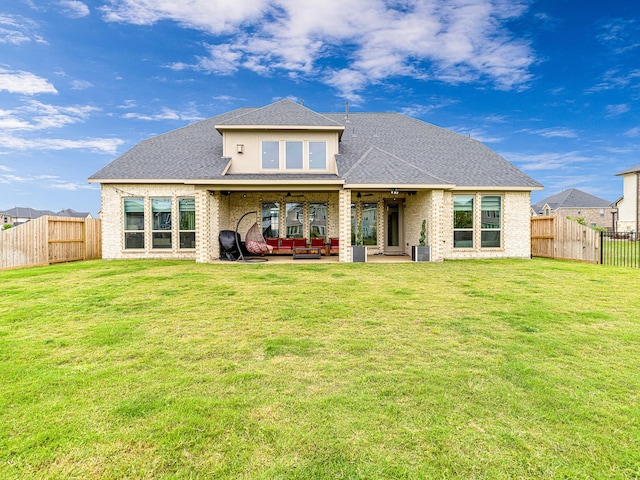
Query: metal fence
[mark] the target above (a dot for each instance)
(620, 249)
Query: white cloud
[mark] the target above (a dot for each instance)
(418, 111)
(614, 79)
(546, 161)
(615, 110)
(129, 103)
(46, 181)
(621, 34)
(213, 16)
(74, 8)
(633, 132)
(16, 30)
(80, 84)
(35, 115)
(165, 114)
(25, 83)
(478, 134)
(7, 179)
(559, 132)
(228, 98)
(96, 145)
(73, 186)
(454, 41)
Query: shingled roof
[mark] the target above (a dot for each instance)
(282, 113)
(571, 198)
(634, 169)
(375, 148)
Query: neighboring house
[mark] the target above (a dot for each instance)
(307, 174)
(596, 211)
(629, 204)
(18, 215)
(6, 218)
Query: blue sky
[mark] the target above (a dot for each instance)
(551, 85)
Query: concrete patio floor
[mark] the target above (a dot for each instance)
(279, 259)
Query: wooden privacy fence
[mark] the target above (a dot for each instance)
(556, 237)
(48, 240)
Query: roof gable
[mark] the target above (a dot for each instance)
(283, 113)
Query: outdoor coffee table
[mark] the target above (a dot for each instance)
(307, 252)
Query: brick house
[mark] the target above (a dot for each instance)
(309, 174)
(596, 211)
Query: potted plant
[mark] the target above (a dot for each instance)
(421, 252)
(359, 251)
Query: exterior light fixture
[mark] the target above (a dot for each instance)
(240, 147)
(394, 191)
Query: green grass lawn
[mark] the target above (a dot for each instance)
(475, 369)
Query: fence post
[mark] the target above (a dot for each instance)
(84, 239)
(601, 247)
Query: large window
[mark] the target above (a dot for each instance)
(318, 155)
(187, 211)
(491, 224)
(133, 223)
(293, 153)
(370, 223)
(295, 218)
(161, 229)
(318, 220)
(271, 220)
(296, 155)
(270, 154)
(463, 221)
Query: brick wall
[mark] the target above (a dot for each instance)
(113, 220)
(516, 228)
(215, 212)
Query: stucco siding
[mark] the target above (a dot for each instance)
(250, 160)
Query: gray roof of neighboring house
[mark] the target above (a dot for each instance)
(27, 212)
(630, 170)
(571, 198)
(69, 212)
(375, 148)
(32, 213)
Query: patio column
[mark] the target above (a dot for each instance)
(438, 228)
(344, 213)
(207, 227)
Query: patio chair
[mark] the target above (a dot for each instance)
(255, 242)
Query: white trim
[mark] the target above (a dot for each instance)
(331, 128)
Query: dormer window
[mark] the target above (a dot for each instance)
(294, 155)
(270, 154)
(293, 151)
(318, 155)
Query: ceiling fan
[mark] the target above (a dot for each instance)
(360, 195)
(288, 195)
